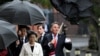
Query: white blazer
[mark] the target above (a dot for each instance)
(26, 50)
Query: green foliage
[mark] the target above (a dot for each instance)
(93, 38)
(96, 10)
(96, 7)
(44, 3)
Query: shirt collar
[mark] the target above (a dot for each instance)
(43, 33)
(54, 36)
(23, 38)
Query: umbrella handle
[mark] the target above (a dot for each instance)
(60, 28)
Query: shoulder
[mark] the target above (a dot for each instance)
(62, 35)
(37, 44)
(25, 44)
(48, 34)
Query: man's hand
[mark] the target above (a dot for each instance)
(67, 40)
(17, 42)
(53, 41)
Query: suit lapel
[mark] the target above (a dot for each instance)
(42, 39)
(51, 37)
(35, 51)
(58, 41)
(39, 40)
(28, 48)
(26, 40)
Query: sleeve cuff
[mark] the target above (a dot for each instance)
(67, 40)
(49, 44)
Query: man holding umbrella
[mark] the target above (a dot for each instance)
(56, 42)
(22, 38)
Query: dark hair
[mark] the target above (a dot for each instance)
(20, 27)
(41, 25)
(31, 33)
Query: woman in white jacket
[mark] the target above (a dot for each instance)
(31, 48)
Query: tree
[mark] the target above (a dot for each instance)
(96, 7)
(44, 3)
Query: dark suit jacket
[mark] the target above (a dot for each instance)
(15, 50)
(44, 44)
(60, 45)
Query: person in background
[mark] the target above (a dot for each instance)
(56, 42)
(42, 39)
(22, 38)
(31, 48)
(35, 29)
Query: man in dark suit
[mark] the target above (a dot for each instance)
(42, 38)
(56, 42)
(22, 38)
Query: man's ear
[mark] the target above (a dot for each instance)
(50, 29)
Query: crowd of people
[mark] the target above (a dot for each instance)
(38, 43)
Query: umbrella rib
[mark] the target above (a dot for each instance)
(29, 15)
(34, 15)
(2, 41)
(11, 33)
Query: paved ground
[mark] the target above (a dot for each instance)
(80, 43)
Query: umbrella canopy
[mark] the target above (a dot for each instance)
(73, 8)
(22, 13)
(7, 34)
(82, 4)
(62, 6)
(69, 1)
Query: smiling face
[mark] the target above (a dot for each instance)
(55, 28)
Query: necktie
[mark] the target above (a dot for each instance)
(55, 42)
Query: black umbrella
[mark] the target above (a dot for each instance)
(22, 13)
(62, 6)
(83, 4)
(72, 8)
(7, 34)
(69, 1)
(85, 13)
